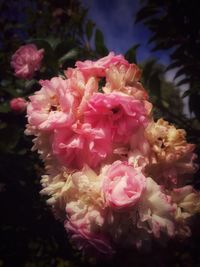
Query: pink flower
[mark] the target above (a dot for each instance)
(120, 76)
(123, 185)
(95, 244)
(156, 210)
(82, 145)
(97, 68)
(85, 225)
(26, 61)
(187, 200)
(81, 87)
(121, 114)
(18, 104)
(52, 106)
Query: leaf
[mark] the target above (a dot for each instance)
(89, 29)
(148, 69)
(72, 54)
(30, 83)
(152, 39)
(174, 65)
(180, 72)
(12, 91)
(63, 47)
(53, 41)
(5, 83)
(186, 93)
(194, 100)
(145, 13)
(155, 84)
(184, 81)
(99, 43)
(4, 108)
(50, 59)
(130, 55)
(41, 43)
(165, 104)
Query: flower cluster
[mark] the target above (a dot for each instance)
(114, 176)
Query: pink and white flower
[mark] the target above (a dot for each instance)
(94, 244)
(97, 68)
(121, 114)
(53, 106)
(26, 60)
(123, 185)
(156, 210)
(81, 145)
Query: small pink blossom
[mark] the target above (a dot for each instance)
(97, 68)
(18, 104)
(26, 61)
(121, 114)
(123, 185)
(52, 106)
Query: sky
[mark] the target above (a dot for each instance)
(115, 18)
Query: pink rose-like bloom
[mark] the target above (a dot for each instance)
(18, 104)
(81, 145)
(121, 114)
(97, 68)
(123, 185)
(95, 244)
(52, 106)
(26, 61)
(156, 210)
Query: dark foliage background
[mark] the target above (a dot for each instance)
(30, 236)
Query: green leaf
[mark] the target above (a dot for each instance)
(184, 81)
(186, 93)
(53, 41)
(50, 59)
(99, 43)
(174, 65)
(41, 43)
(146, 12)
(130, 55)
(148, 69)
(155, 84)
(30, 83)
(12, 91)
(165, 104)
(63, 47)
(4, 108)
(5, 83)
(89, 29)
(72, 54)
(181, 72)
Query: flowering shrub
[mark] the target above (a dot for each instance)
(114, 176)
